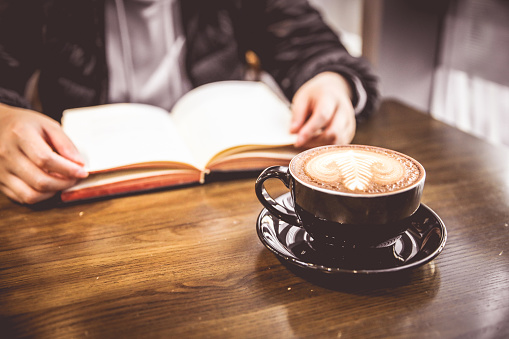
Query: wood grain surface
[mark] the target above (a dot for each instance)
(187, 262)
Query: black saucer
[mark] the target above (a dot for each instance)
(420, 243)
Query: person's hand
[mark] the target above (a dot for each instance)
(37, 159)
(323, 112)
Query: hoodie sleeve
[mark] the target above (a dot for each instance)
(294, 44)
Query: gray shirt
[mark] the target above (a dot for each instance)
(145, 48)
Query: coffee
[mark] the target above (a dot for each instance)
(356, 169)
(353, 195)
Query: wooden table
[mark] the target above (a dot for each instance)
(188, 263)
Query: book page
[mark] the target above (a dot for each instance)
(118, 135)
(222, 115)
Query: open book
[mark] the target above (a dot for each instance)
(222, 126)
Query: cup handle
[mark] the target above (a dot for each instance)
(282, 173)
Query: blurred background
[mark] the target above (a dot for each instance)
(449, 58)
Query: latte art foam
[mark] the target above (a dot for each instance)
(356, 169)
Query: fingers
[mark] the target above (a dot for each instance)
(62, 144)
(323, 112)
(321, 118)
(341, 130)
(39, 179)
(18, 191)
(37, 159)
(27, 183)
(301, 108)
(43, 156)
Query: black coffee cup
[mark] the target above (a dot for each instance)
(349, 219)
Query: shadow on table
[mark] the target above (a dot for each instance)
(427, 275)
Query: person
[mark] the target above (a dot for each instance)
(93, 52)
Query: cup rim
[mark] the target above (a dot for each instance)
(360, 195)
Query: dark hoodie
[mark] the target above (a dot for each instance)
(65, 41)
